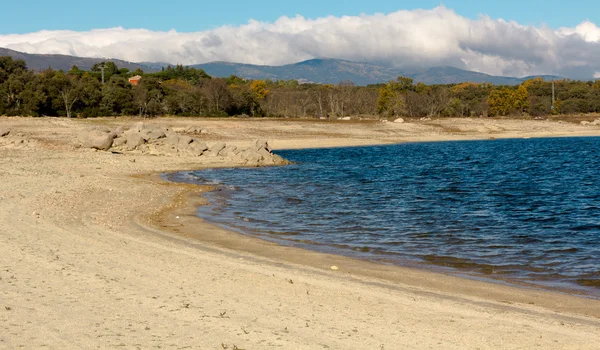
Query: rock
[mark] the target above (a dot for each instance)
(153, 134)
(345, 118)
(4, 132)
(262, 144)
(134, 140)
(184, 141)
(399, 121)
(119, 131)
(264, 152)
(101, 128)
(216, 148)
(229, 150)
(595, 122)
(335, 268)
(172, 139)
(197, 147)
(97, 139)
(584, 123)
(253, 159)
(119, 141)
(278, 160)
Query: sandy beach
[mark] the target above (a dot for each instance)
(96, 251)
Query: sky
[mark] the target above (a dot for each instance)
(507, 37)
(192, 15)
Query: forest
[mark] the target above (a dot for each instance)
(184, 91)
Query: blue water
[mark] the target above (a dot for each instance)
(517, 210)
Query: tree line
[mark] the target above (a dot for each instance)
(185, 91)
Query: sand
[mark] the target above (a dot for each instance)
(97, 252)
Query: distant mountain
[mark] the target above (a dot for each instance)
(40, 62)
(326, 71)
(332, 71)
(321, 70)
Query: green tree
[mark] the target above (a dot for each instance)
(392, 97)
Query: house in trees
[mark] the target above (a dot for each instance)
(135, 80)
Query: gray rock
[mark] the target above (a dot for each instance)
(184, 141)
(399, 121)
(254, 160)
(197, 148)
(172, 139)
(217, 147)
(4, 132)
(264, 152)
(98, 140)
(153, 134)
(228, 151)
(262, 144)
(119, 141)
(119, 131)
(134, 140)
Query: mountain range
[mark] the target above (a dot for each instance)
(321, 70)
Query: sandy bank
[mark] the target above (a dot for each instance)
(92, 254)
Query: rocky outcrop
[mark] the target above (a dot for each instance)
(4, 132)
(154, 140)
(593, 123)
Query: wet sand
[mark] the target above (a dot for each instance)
(95, 252)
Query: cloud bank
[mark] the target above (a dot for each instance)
(419, 38)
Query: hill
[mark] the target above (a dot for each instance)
(332, 71)
(321, 70)
(40, 62)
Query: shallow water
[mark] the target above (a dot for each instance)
(519, 210)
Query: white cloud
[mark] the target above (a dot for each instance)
(416, 38)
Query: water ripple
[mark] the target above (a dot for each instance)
(523, 209)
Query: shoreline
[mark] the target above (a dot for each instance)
(188, 225)
(550, 286)
(92, 253)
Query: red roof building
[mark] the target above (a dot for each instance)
(135, 80)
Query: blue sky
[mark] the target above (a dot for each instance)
(27, 16)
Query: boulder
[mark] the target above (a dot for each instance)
(216, 148)
(119, 141)
(229, 150)
(119, 131)
(262, 144)
(595, 122)
(264, 152)
(153, 134)
(184, 141)
(172, 139)
(584, 123)
(134, 140)
(278, 160)
(97, 139)
(197, 147)
(4, 132)
(399, 121)
(253, 159)
(345, 118)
